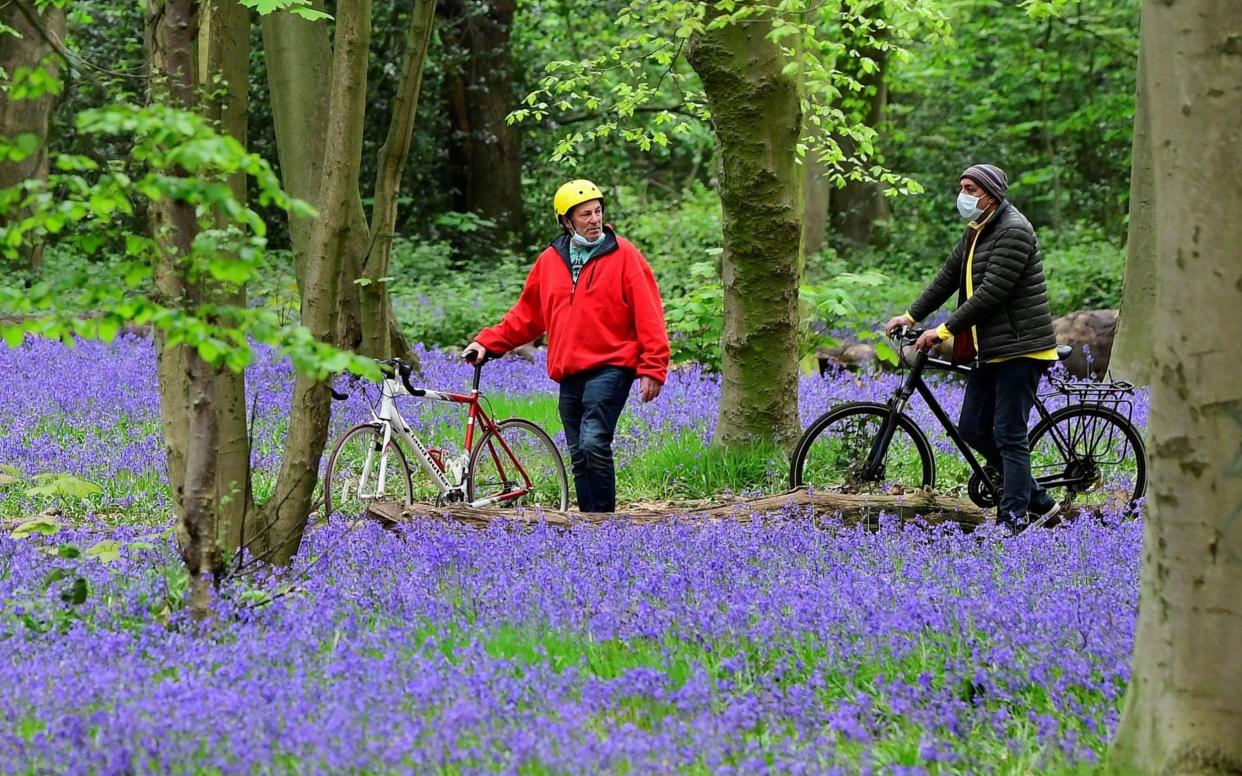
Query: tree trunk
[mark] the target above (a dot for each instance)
(17, 117)
(757, 119)
(483, 148)
(375, 306)
(187, 382)
(299, 61)
(856, 207)
(1132, 350)
(1183, 712)
(224, 53)
(334, 232)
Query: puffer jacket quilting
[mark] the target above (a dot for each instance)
(1009, 306)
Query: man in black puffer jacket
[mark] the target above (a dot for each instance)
(1003, 320)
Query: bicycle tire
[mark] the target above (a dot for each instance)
(1082, 473)
(917, 465)
(551, 492)
(345, 470)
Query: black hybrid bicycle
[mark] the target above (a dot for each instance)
(1086, 452)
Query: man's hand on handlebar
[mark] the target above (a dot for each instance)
(927, 340)
(474, 352)
(896, 323)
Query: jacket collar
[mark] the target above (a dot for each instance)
(561, 244)
(990, 220)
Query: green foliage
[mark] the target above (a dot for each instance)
(176, 159)
(1084, 272)
(695, 319)
(1047, 95)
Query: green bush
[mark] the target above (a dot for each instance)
(1083, 273)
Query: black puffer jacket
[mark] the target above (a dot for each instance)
(1009, 305)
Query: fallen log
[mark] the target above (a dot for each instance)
(850, 508)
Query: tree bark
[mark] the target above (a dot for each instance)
(1183, 712)
(757, 119)
(483, 148)
(224, 53)
(375, 306)
(1132, 350)
(187, 382)
(334, 232)
(300, 60)
(32, 49)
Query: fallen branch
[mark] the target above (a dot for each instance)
(931, 507)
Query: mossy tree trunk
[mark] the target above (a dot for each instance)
(30, 46)
(1131, 357)
(1183, 711)
(757, 119)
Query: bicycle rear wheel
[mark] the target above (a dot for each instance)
(362, 469)
(833, 451)
(517, 464)
(1090, 457)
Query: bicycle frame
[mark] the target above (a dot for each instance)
(914, 383)
(455, 488)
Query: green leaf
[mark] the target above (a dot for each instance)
(43, 525)
(105, 551)
(77, 592)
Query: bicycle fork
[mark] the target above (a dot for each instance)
(873, 469)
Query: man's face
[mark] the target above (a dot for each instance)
(971, 188)
(588, 218)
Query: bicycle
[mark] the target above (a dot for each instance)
(512, 463)
(1086, 453)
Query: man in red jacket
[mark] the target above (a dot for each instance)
(596, 297)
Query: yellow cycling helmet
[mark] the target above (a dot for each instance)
(575, 193)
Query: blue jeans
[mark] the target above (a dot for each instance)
(995, 410)
(591, 402)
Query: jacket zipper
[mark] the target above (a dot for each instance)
(574, 291)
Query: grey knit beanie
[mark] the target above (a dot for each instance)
(990, 178)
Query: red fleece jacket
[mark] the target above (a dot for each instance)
(611, 316)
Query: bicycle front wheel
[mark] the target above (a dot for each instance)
(1090, 457)
(833, 451)
(517, 464)
(363, 469)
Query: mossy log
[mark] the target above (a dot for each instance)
(928, 506)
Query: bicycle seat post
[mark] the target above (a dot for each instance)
(478, 374)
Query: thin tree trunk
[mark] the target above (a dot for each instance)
(334, 231)
(224, 53)
(1183, 710)
(299, 62)
(1131, 358)
(484, 148)
(32, 49)
(757, 118)
(376, 309)
(188, 383)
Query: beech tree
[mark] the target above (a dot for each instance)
(300, 60)
(1182, 712)
(1131, 356)
(29, 64)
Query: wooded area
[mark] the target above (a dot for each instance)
(336, 183)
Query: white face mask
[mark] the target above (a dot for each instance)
(584, 242)
(968, 206)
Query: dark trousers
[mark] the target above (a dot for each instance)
(995, 410)
(591, 402)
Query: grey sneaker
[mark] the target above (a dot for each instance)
(1043, 514)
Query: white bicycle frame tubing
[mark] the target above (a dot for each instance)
(390, 418)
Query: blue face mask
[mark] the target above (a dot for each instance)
(583, 242)
(968, 206)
